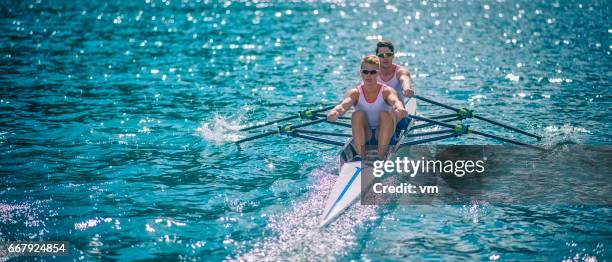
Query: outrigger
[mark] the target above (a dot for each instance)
(347, 188)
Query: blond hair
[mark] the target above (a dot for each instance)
(370, 59)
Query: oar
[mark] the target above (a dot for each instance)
(302, 114)
(464, 129)
(314, 132)
(427, 140)
(281, 130)
(316, 139)
(468, 113)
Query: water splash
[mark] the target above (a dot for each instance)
(475, 210)
(512, 77)
(566, 134)
(476, 99)
(580, 253)
(296, 235)
(221, 129)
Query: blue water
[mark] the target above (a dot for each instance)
(116, 123)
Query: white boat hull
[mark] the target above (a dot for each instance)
(347, 188)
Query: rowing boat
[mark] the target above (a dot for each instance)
(348, 186)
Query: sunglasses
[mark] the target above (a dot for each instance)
(369, 72)
(385, 55)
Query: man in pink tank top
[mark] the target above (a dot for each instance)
(393, 75)
(377, 109)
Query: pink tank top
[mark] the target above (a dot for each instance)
(393, 83)
(372, 109)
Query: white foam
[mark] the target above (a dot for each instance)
(513, 77)
(566, 133)
(457, 78)
(476, 98)
(221, 130)
(91, 223)
(297, 235)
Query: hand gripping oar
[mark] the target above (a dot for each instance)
(466, 113)
(306, 114)
(281, 130)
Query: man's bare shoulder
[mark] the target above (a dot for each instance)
(388, 90)
(402, 70)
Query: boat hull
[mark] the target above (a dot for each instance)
(347, 188)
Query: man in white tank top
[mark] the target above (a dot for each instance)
(393, 75)
(377, 109)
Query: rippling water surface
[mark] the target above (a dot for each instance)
(116, 122)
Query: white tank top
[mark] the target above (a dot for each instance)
(372, 109)
(393, 83)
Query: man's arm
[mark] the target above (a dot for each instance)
(403, 76)
(391, 98)
(349, 100)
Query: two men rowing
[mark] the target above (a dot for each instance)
(378, 101)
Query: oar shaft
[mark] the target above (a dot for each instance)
(440, 123)
(277, 131)
(479, 117)
(314, 132)
(340, 124)
(422, 126)
(341, 117)
(475, 132)
(285, 119)
(438, 132)
(269, 123)
(309, 123)
(427, 140)
(256, 137)
(507, 140)
(444, 116)
(508, 127)
(317, 139)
